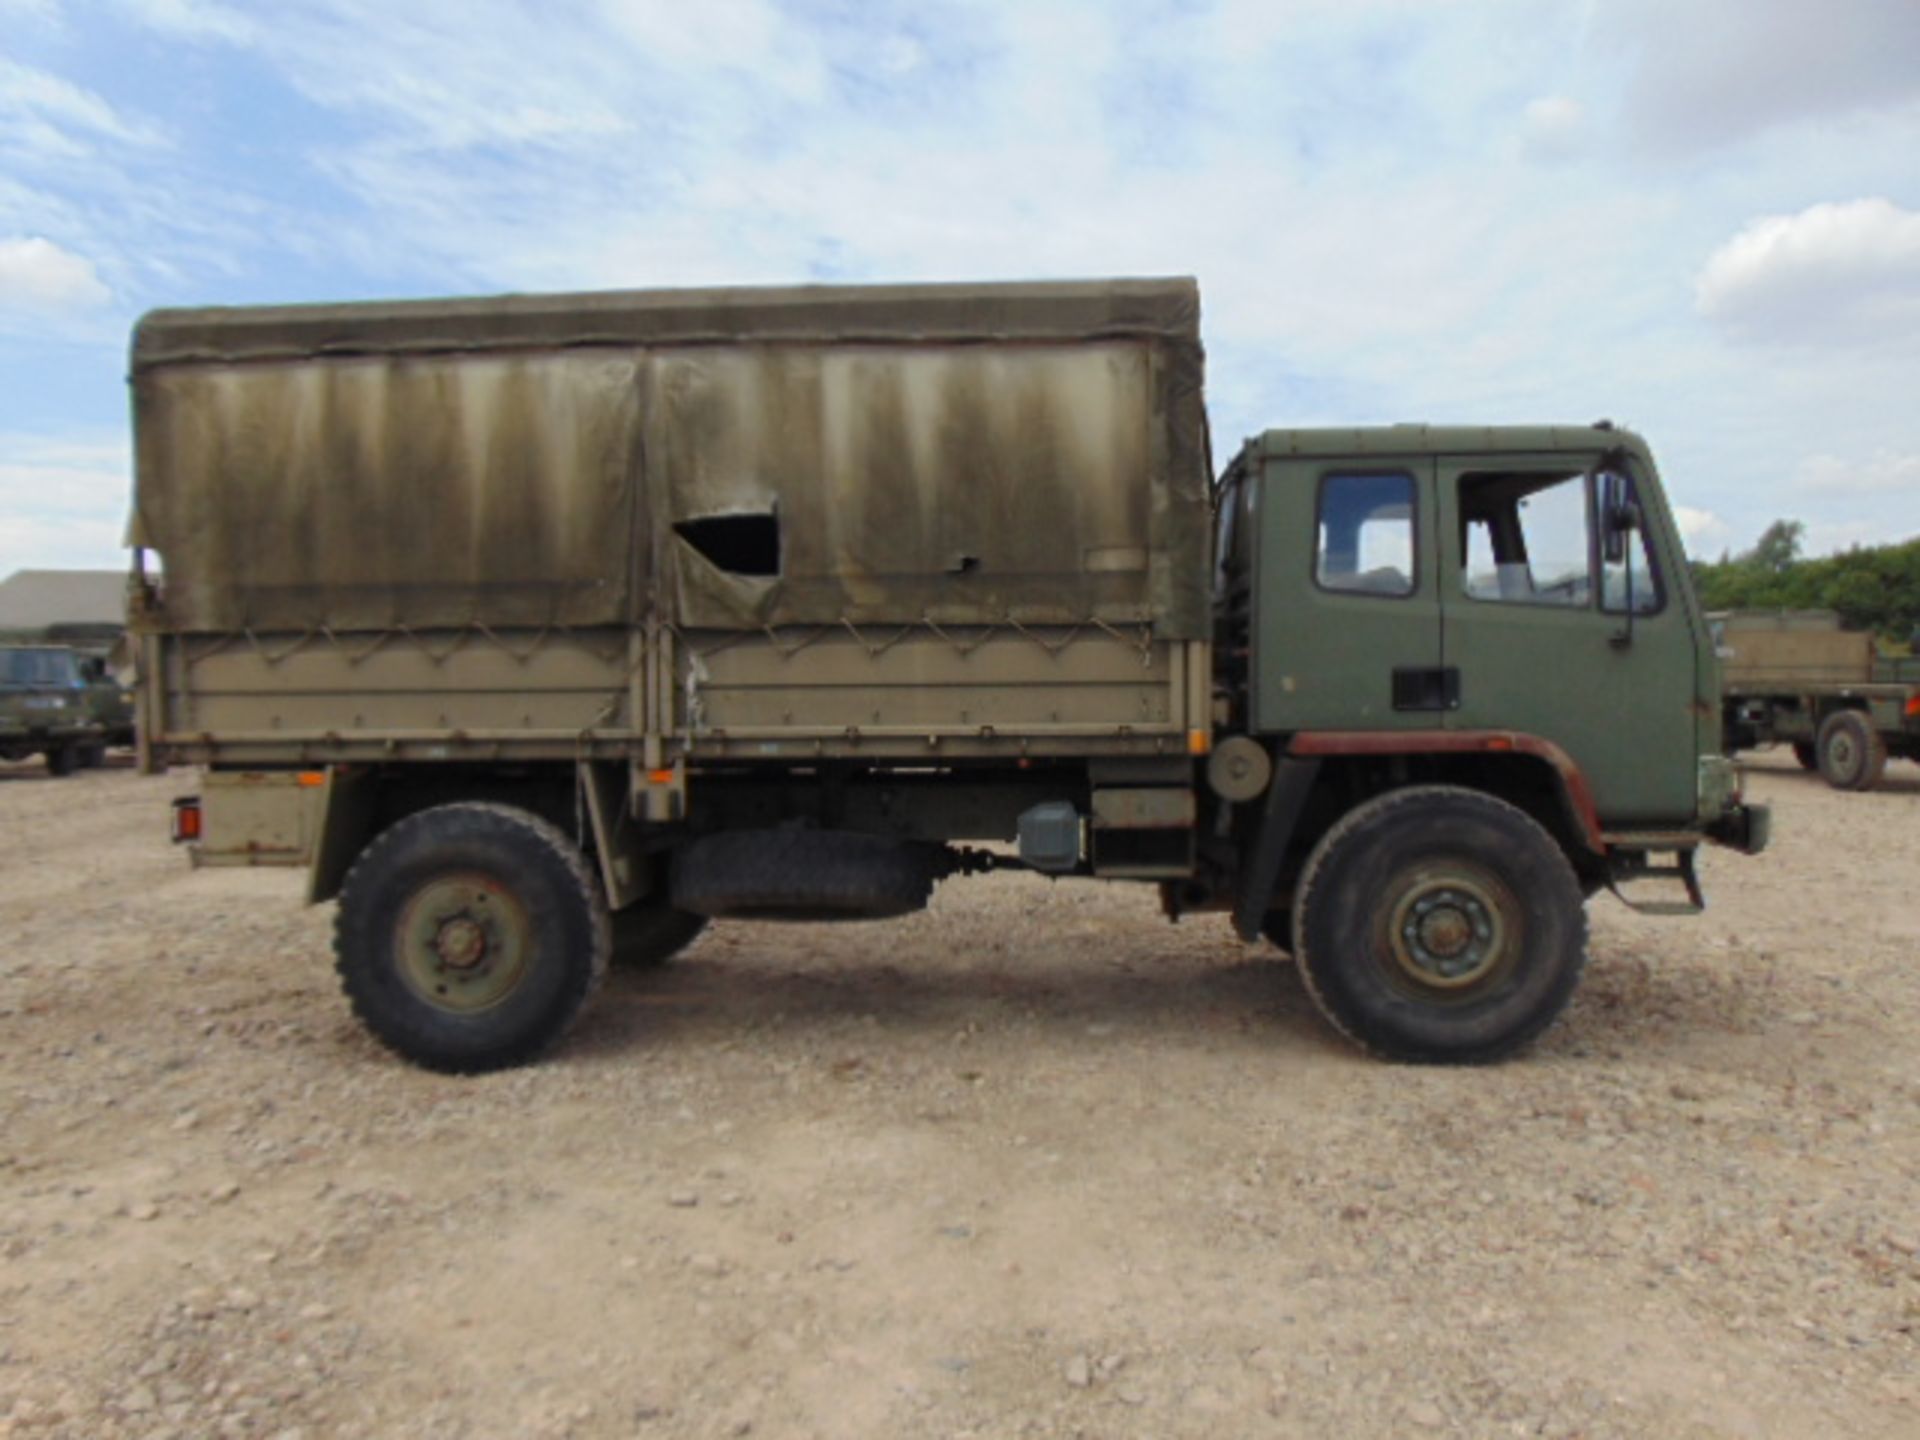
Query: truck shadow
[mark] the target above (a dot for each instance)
(1254, 1004)
(1626, 1005)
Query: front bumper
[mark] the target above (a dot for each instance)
(1746, 828)
(64, 734)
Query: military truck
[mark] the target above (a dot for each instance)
(109, 702)
(539, 628)
(44, 709)
(1797, 677)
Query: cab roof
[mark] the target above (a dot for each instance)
(1422, 439)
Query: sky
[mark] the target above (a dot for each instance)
(1699, 218)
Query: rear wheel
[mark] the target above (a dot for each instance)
(1439, 924)
(470, 936)
(1852, 754)
(63, 760)
(1806, 754)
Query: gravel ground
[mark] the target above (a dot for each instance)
(1034, 1163)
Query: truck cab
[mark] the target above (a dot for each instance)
(1431, 583)
(44, 708)
(1499, 620)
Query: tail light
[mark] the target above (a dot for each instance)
(186, 819)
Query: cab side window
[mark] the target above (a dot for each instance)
(1365, 534)
(1526, 539)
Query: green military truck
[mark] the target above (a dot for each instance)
(541, 628)
(1797, 677)
(45, 708)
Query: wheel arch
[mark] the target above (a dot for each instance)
(1331, 773)
(1527, 771)
(364, 801)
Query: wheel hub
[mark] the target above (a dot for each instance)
(1447, 933)
(462, 943)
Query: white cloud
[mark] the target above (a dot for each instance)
(41, 110)
(38, 277)
(1828, 537)
(1552, 128)
(1883, 473)
(63, 502)
(1703, 531)
(1713, 72)
(1847, 271)
(193, 19)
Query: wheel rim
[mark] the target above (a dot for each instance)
(462, 943)
(1842, 754)
(1451, 932)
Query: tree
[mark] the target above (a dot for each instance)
(1778, 546)
(1873, 587)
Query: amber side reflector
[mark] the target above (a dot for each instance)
(1913, 705)
(186, 819)
(1199, 742)
(659, 777)
(1499, 742)
(311, 779)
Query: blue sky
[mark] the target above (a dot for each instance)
(1698, 217)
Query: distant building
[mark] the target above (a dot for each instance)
(85, 608)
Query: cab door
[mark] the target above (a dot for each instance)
(1346, 619)
(1556, 634)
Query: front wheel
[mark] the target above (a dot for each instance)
(470, 936)
(1439, 925)
(1806, 755)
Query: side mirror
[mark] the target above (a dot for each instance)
(1618, 516)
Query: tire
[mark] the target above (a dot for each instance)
(1806, 754)
(652, 933)
(802, 875)
(1852, 754)
(470, 936)
(63, 760)
(1491, 967)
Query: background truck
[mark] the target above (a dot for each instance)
(541, 628)
(46, 708)
(1796, 677)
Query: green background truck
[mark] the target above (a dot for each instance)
(48, 708)
(540, 628)
(1796, 677)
